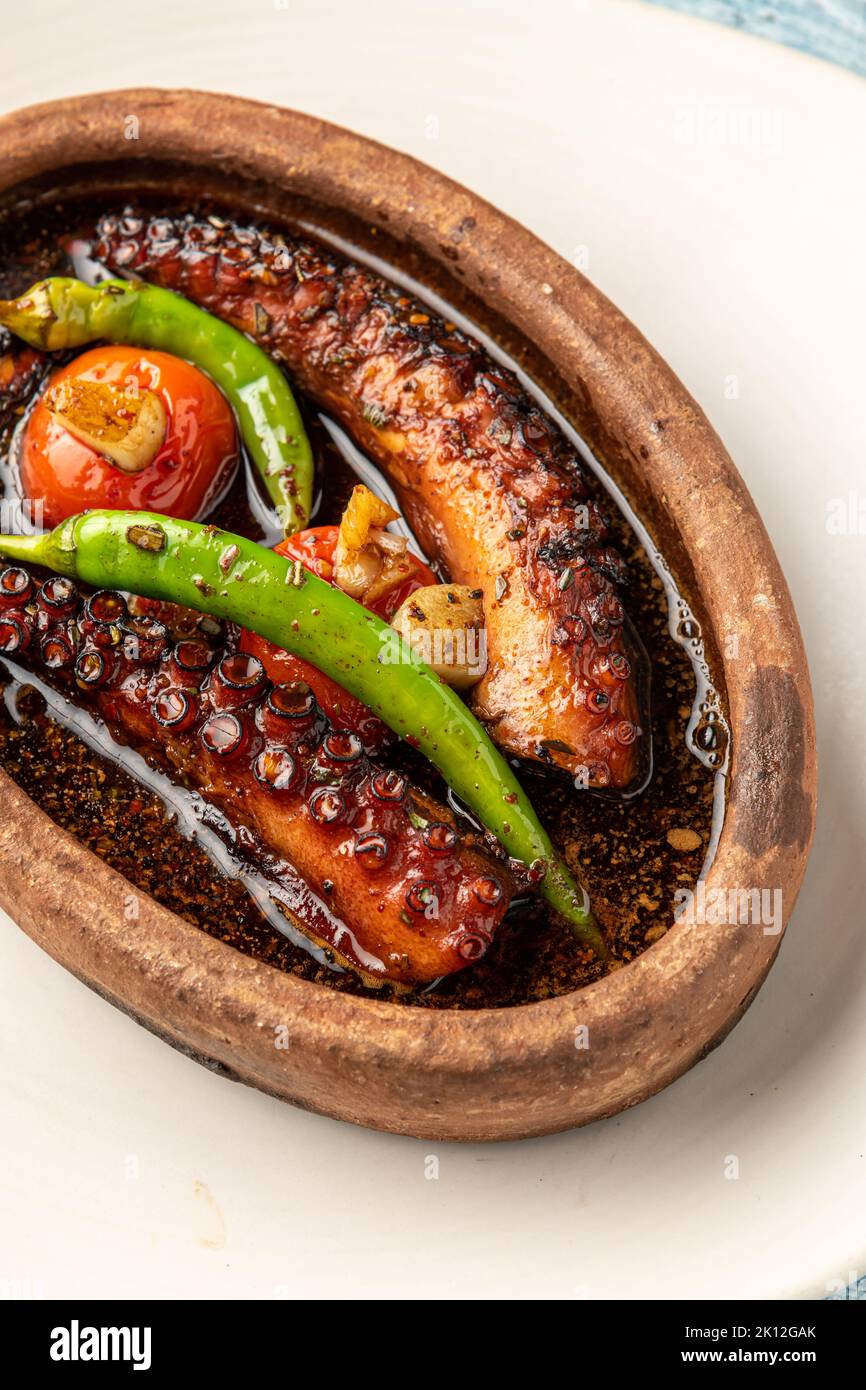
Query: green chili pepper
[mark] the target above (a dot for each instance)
(65, 313)
(236, 579)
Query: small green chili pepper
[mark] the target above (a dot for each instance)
(233, 578)
(65, 313)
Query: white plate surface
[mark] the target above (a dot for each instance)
(710, 184)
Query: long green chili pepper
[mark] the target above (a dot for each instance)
(64, 313)
(230, 577)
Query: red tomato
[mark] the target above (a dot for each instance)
(315, 549)
(189, 471)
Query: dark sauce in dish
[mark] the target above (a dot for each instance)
(632, 852)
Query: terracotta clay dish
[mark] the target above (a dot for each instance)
(404, 711)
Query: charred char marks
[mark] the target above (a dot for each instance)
(562, 549)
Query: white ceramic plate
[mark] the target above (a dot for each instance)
(708, 182)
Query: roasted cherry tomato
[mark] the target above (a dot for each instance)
(315, 549)
(193, 440)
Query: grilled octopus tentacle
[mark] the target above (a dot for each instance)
(421, 900)
(489, 484)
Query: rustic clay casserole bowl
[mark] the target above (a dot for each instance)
(491, 1073)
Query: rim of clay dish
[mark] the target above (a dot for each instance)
(463, 1074)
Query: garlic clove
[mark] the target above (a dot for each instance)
(444, 626)
(126, 429)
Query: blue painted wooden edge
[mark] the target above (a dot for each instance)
(831, 29)
(856, 1292)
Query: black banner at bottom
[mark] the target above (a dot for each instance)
(151, 1337)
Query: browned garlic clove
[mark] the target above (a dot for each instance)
(444, 626)
(126, 428)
